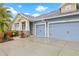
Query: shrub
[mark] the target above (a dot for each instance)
(15, 33)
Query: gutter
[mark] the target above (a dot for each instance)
(60, 15)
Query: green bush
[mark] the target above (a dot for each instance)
(15, 33)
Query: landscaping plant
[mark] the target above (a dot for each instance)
(5, 16)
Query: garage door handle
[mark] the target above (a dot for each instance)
(68, 32)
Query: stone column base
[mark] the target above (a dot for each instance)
(24, 34)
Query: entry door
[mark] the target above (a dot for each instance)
(68, 31)
(40, 30)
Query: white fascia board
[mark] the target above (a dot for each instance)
(64, 21)
(75, 13)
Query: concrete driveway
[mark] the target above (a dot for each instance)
(39, 47)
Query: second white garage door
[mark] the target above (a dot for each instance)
(68, 31)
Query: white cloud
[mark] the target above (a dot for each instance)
(35, 15)
(13, 10)
(41, 8)
(27, 13)
(19, 6)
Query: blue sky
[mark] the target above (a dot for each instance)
(32, 9)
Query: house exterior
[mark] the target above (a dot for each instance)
(22, 23)
(61, 24)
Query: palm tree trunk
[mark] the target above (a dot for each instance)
(1, 36)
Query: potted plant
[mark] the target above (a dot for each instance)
(9, 35)
(3, 26)
(4, 18)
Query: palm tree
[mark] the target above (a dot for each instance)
(5, 16)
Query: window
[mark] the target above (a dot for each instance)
(16, 26)
(23, 25)
(68, 8)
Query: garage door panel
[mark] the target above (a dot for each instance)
(40, 30)
(55, 30)
(73, 29)
(69, 31)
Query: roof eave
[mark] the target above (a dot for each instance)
(64, 15)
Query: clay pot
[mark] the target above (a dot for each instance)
(9, 35)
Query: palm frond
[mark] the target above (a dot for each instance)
(5, 16)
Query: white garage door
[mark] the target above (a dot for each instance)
(40, 30)
(68, 31)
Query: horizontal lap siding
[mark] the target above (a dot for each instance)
(76, 17)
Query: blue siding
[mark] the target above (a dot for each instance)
(40, 30)
(68, 31)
